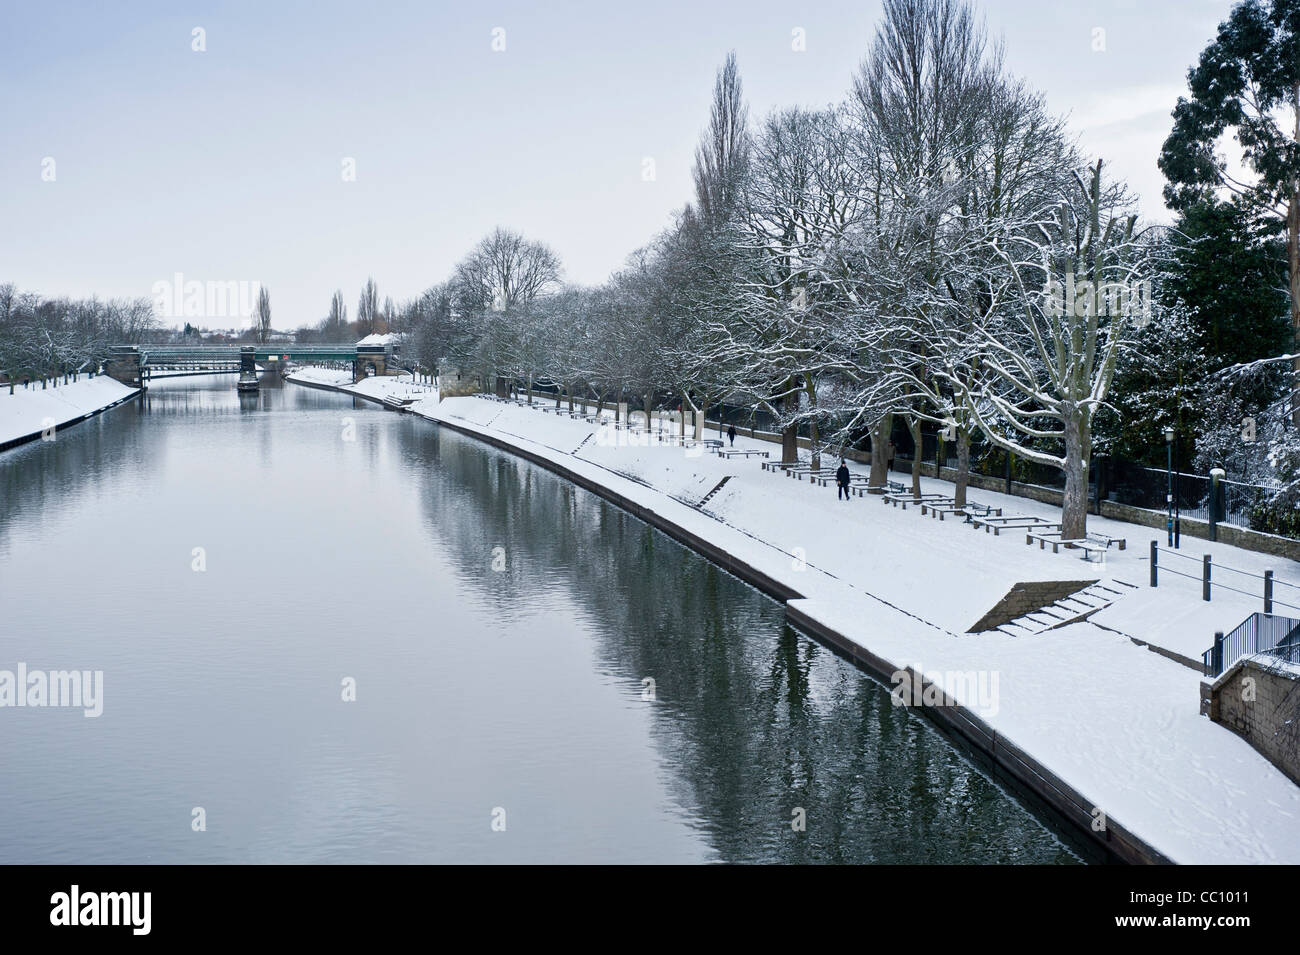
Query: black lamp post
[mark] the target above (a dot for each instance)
(1169, 498)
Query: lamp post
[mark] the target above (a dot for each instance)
(1169, 498)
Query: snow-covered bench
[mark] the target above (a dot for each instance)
(942, 509)
(800, 471)
(907, 497)
(739, 452)
(825, 480)
(1046, 537)
(1090, 545)
(1025, 522)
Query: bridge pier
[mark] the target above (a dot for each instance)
(247, 369)
(370, 361)
(124, 365)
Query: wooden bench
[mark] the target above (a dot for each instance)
(969, 510)
(1015, 522)
(730, 453)
(1044, 538)
(1092, 544)
(800, 471)
(902, 500)
(1120, 542)
(940, 508)
(825, 480)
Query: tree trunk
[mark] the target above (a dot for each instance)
(1074, 511)
(699, 419)
(880, 455)
(645, 403)
(1293, 266)
(914, 428)
(812, 422)
(963, 467)
(790, 433)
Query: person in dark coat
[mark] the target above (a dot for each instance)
(842, 479)
(731, 434)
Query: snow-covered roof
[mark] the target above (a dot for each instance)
(389, 338)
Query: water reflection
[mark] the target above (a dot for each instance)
(343, 541)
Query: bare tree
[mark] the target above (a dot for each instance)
(335, 325)
(368, 309)
(263, 315)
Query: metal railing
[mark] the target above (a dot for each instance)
(1268, 582)
(1259, 633)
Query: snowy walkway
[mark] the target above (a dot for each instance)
(1116, 722)
(377, 387)
(31, 410)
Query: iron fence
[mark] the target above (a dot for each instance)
(1278, 637)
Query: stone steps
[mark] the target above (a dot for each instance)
(1067, 610)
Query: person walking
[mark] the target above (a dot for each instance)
(842, 479)
(731, 434)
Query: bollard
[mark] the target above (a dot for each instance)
(1153, 563)
(1205, 577)
(1268, 591)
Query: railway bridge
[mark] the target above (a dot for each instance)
(137, 365)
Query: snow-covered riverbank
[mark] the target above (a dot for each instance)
(1116, 725)
(376, 388)
(30, 411)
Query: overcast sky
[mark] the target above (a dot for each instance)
(227, 164)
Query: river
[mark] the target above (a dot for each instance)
(331, 633)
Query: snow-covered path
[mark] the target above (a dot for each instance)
(377, 387)
(1118, 723)
(31, 410)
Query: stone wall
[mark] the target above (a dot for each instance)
(453, 384)
(124, 365)
(1260, 703)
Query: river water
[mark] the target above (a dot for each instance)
(330, 633)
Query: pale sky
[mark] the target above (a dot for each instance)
(227, 164)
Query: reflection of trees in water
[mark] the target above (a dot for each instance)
(752, 719)
(35, 474)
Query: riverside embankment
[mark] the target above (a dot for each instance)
(32, 410)
(1103, 730)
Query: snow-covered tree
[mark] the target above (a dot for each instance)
(1077, 286)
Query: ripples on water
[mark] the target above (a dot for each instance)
(477, 689)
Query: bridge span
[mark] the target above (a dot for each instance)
(136, 365)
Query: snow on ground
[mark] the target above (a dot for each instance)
(32, 409)
(378, 386)
(1118, 723)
